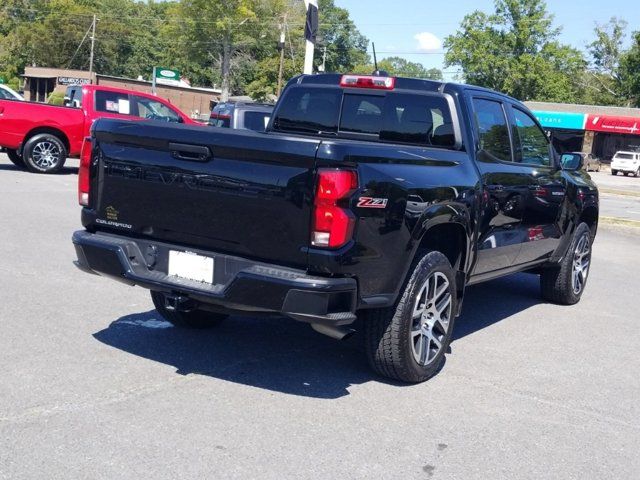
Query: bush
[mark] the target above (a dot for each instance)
(56, 98)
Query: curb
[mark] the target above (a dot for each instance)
(613, 191)
(618, 222)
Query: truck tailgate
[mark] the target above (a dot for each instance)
(250, 196)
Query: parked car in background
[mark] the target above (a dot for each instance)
(589, 161)
(241, 115)
(592, 163)
(626, 162)
(40, 137)
(7, 93)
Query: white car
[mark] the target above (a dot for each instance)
(8, 94)
(626, 162)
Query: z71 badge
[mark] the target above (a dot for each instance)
(368, 202)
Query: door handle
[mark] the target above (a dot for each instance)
(194, 153)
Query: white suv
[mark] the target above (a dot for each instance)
(626, 162)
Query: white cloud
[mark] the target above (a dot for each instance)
(428, 42)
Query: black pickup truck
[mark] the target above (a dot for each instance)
(368, 196)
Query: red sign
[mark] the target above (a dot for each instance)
(613, 124)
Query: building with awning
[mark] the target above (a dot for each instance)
(599, 130)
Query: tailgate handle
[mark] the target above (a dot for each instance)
(194, 153)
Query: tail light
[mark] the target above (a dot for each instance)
(83, 172)
(367, 81)
(333, 224)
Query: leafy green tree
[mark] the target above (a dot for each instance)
(346, 46)
(603, 81)
(515, 50)
(401, 67)
(630, 70)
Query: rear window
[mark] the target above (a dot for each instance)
(624, 156)
(423, 119)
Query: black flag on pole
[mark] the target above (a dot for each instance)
(311, 25)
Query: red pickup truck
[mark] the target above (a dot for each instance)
(40, 137)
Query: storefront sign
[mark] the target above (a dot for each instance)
(614, 124)
(561, 120)
(72, 81)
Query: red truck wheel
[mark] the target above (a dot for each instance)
(44, 153)
(15, 158)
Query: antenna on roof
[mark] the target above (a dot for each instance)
(375, 60)
(376, 72)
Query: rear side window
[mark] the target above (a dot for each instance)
(309, 110)
(395, 117)
(256, 121)
(493, 131)
(421, 119)
(112, 102)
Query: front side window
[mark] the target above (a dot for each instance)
(153, 110)
(532, 146)
(492, 130)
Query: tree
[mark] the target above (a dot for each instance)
(515, 50)
(401, 67)
(630, 70)
(346, 46)
(603, 81)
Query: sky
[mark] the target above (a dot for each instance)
(414, 29)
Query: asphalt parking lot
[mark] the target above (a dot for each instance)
(96, 385)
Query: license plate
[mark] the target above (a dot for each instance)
(190, 266)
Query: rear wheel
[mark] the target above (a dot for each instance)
(44, 153)
(565, 283)
(199, 319)
(15, 158)
(614, 172)
(408, 342)
(637, 173)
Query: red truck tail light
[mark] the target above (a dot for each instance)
(333, 224)
(83, 172)
(368, 81)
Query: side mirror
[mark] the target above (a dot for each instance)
(571, 162)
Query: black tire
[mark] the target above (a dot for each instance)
(35, 155)
(637, 174)
(626, 174)
(557, 282)
(15, 158)
(199, 319)
(614, 172)
(390, 333)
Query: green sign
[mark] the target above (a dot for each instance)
(166, 73)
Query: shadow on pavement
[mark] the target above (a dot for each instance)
(280, 354)
(63, 170)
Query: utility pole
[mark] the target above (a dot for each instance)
(93, 42)
(281, 47)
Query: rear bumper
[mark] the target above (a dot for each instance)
(238, 284)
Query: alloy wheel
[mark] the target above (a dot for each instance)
(45, 154)
(581, 263)
(431, 318)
